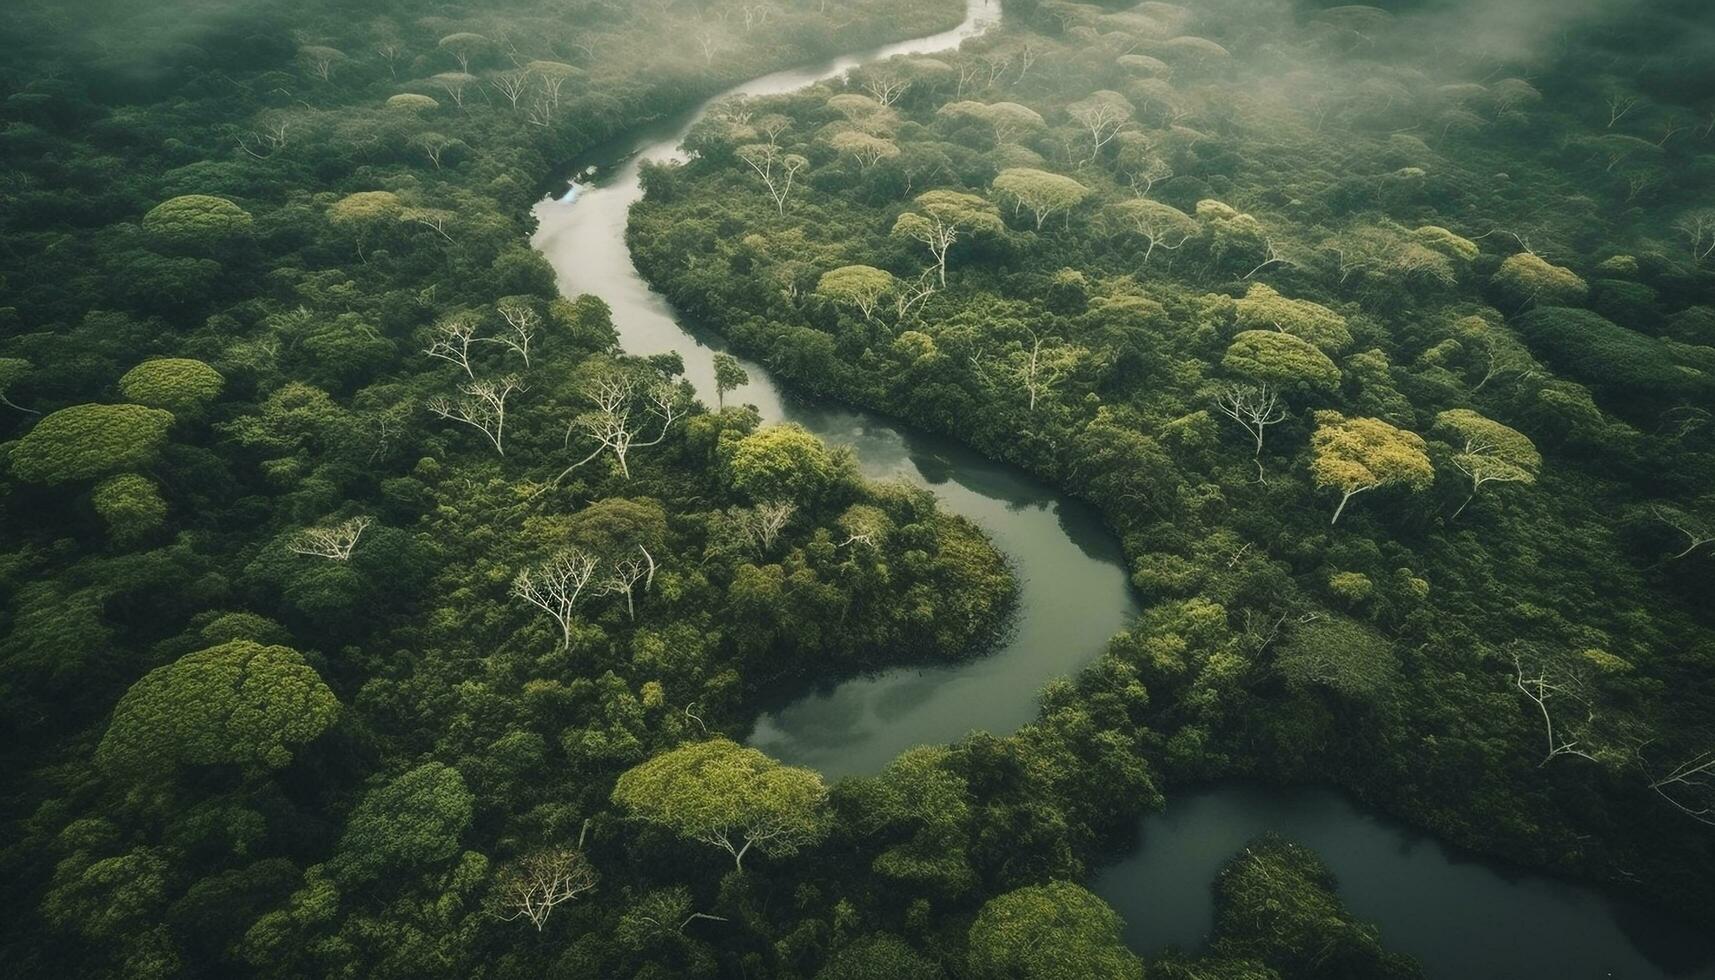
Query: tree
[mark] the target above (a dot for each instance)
(520, 314)
(434, 146)
(1255, 407)
(782, 463)
(12, 370)
(729, 376)
(1279, 359)
(85, 441)
(1276, 908)
(1057, 931)
(1690, 787)
(364, 214)
(454, 84)
(1354, 455)
(1040, 192)
(240, 703)
(1037, 367)
(1262, 308)
(1492, 452)
(107, 898)
(198, 221)
(556, 585)
(1102, 116)
(483, 407)
(130, 505)
(1693, 529)
(512, 85)
(1552, 680)
(1340, 655)
(727, 796)
(941, 217)
(465, 47)
(1698, 229)
(623, 575)
(320, 61)
(1526, 279)
(866, 149)
(412, 102)
(861, 286)
(336, 542)
(760, 526)
(451, 341)
(777, 169)
(1160, 225)
(879, 956)
(532, 886)
(411, 820)
(885, 83)
(613, 424)
(180, 385)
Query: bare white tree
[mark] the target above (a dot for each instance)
(1255, 408)
(452, 339)
(390, 52)
(1543, 681)
(454, 84)
(483, 407)
(556, 585)
(612, 424)
(760, 526)
(1690, 787)
(265, 142)
(531, 888)
(937, 234)
(434, 219)
(1697, 534)
(910, 295)
(433, 145)
(511, 84)
(623, 576)
(1272, 255)
(1147, 174)
(1102, 118)
(886, 85)
(1698, 227)
(336, 542)
(778, 171)
(1618, 106)
(1037, 367)
(524, 321)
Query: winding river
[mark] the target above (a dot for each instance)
(1462, 918)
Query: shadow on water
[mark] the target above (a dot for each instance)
(1073, 591)
(1462, 918)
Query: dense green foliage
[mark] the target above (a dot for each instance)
(361, 603)
(287, 687)
(1165, 232)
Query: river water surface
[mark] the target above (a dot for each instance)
(1463, 919)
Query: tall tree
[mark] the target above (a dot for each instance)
(727, 796)
(1489, 452)
(1057, 931)
(1356, 455)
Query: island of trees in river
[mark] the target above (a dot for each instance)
(367, 611)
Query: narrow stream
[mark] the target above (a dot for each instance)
(1463, 918)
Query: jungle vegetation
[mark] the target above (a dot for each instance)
(367, 612)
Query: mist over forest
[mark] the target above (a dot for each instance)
(849, 489)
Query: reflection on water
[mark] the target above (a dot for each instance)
(1462, 918)
(1073, 593)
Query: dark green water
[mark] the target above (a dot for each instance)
(1462, 918)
